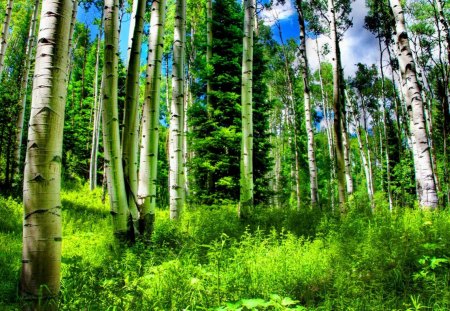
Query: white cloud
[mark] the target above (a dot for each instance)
(358, 44)
(278, 12)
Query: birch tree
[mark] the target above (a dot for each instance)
(422, 160)
(246, 193)
(24, 85)
(176, 181)
(96, 113)
(110, 116)
(307, 103)
(131, 124)
(41, 256)
(148, 171)
(5, 33)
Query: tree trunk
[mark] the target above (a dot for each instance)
(130, 135)
(307, 102)
(41, 257)
(131, 31)
(444, 22)
(209, 42)
(246, 193)
(291, 121)
(148, 172)
(5, 33)
(362, 152)
(110, 116)
(177, 110)
(338, 108)
(386, 149)
(24, 87)
(427, 187)
(97, 115)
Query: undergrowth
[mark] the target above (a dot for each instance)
(209, 260)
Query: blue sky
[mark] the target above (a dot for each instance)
(358, 45)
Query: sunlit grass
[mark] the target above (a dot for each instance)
(279, 259)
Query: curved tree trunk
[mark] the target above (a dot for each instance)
(41, 257)
(130, 135)
(246, 193)
(150, 121)
(427, 187)
(176, 186)
(110, 116)
(5, 33)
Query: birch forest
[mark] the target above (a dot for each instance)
(224, 155)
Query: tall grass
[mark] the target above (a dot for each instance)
(278, 260)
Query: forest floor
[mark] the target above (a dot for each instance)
(209, 260)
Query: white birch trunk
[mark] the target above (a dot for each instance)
(134, 12)
(24, 85)
(5, 34)
(177, 111)
(338, 109)
(42, 234)
(427, 187)
(97, 115)
(130, 135)
(209, 42)
(307, 103)
(110, 116)
(148, 171)
(246, 193)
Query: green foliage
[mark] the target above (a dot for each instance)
(279, 260)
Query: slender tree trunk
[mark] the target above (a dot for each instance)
(133, 20)
(24, 87)
(177, 111)
(41, 257)
(338, 109)
(347, 160)
(362, 152)
(307, 102)
(291, 121)
(427, 186)
(148, 172)
(246, 193)
(386, 149)
(130, 135)
(97, 114)
(110, 116)
(329, 131)
(444, 22)
(95, 140)
(5, 33)
(209, 54)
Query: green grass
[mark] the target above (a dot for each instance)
(278, 260)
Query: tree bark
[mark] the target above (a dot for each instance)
(209, 42)
(246, 193)
(148, 172)
(110, 116)
(130, 135)
(307, 102)
(97, 114)
(41, 257)
(177, 111)
(24, 85)
(338, 108)
(427, 187)
(5, 33)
